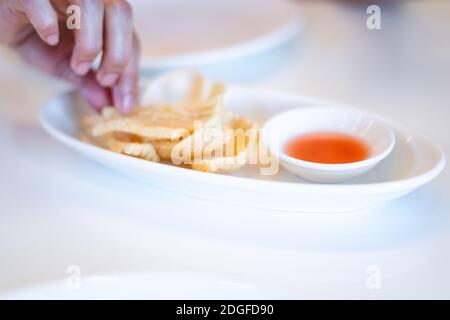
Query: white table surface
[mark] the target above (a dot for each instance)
(58, 209)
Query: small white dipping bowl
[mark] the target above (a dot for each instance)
(287, 125)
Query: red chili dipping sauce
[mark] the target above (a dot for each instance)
(327, 147)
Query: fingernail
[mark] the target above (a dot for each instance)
(83, 68)
(53, 39)
(109, 79)
(127, 103)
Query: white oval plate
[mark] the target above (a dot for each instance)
(150, 285)
(177, 33)
(413, 162)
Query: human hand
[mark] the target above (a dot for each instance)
(37, 30)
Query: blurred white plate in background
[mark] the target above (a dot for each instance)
(150, 285)
(178, 33)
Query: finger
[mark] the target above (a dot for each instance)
(56, 61)
(118, 41)
(89, 38)
(43, 18)
(126, 91)
(94, 94)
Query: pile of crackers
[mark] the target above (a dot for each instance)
(194, 132)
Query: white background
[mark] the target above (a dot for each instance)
(58, 209)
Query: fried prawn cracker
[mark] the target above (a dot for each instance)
(207, 133)
(164, 148)
(139, 150)
(140, 128)
(237, 151)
